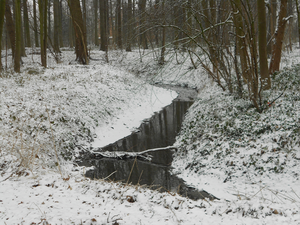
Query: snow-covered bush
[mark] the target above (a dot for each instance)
(228, 134)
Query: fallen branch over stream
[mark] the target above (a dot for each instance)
(130, 155)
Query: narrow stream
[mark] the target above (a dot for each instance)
(158, 131)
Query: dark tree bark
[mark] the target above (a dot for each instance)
(129, 26)
(119, 24)
(43, 4)
(2, 13)
(262, 43)
(60, 35)
(103, 25)
(56, 26)
(163, 41)
(71, 31)
(10, 27)
(35, 29)
(298, 17)
(96, 39)
(143, 36)
(26, 24)
(272, 24)
(18, 27)
(84, 12)
(49, 21)
(80, 32)
(279, 35)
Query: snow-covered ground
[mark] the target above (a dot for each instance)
(43, 112)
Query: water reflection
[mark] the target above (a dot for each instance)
(136, 172)
(157, 132)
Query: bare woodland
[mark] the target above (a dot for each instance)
(237, 42)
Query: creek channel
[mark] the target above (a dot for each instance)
(157, 132)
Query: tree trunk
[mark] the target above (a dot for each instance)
(262, 43)
(84, 12)
(103, 25)
(273, 11)
(10, 27)
(2, 13)
(119, 24)
(18, 27)
(129, 26)
(163, 42)
(49, 20)
(23, 53)
(60, 35)
(143, 37)
(279, 35)
(43, 4)
(35, 29)
(71, 31)
(96, 39)
(56, 26)
(26, 24)
(80, 32)
(298, 17)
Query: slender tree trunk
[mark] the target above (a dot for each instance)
(96, 39)
(273, 12)
(26, 24)
(84, 12)
(56, 26)
(262, 42)
(36, 37)
(129, 26)
(60, 35)
(2, 13)
(279, 35)
(49, 20)
(103, 25)
(43, 5)
(143, 36)
(10, 27)
(298, 17)
(290, 12)
(80, 32)
(241, 43)
(119, 24)
(71, 31)
(163, 42)
(23, 53)
(18, 27)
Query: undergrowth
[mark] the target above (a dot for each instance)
(43, 110)
(227, 134)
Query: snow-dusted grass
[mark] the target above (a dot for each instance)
(226, 147)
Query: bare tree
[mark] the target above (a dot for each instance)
(103, 25)
(26, 24)
(96, 40)
(56, 26)
(2, 13)
(119, 24)
(10, 27)
(143, 36)
(35, 26)
(80, 31)
(298, 19)
(129, 26)
(279, 35)
(262, 42)
(18, 27)
(43, 5)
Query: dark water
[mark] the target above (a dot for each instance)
(159, 131)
